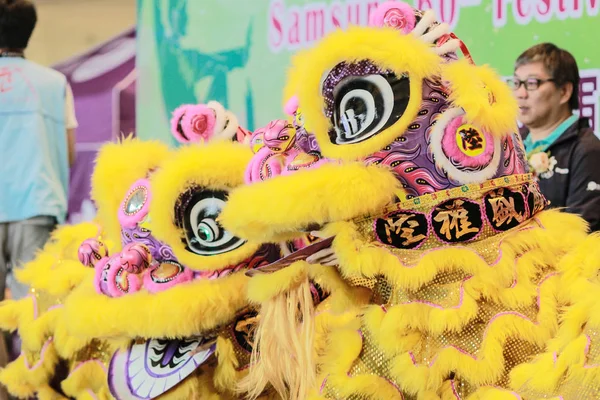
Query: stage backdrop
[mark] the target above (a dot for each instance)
(237, 51)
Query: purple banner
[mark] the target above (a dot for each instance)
(103, 83)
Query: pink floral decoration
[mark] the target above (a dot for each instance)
(198, 123)
(452, 150)
(394, 14)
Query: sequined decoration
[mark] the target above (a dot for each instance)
(136, 200)
(486, 244)
(447, 290)
(97, 350)
(575, 389)
(370, 362)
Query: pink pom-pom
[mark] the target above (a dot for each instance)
(120, 282)
(291, 106)
(135, 258)
(91, 251)
(198, 123)
(176, 123)
(394, 14)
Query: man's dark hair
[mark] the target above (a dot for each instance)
(560, 65)
(17, 20)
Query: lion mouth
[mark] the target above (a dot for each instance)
(149, 369)
(264, 256)
(222, 273)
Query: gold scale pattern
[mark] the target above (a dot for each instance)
(444, 291)
(96, 350)
(372, 361)
(575, 390)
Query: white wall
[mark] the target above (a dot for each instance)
(68, 27)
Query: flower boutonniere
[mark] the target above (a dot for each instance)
(542, 164)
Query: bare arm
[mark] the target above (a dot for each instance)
(71, 124)
(71, 144)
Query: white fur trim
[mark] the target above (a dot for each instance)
(436, 33)
(437, 134)
(220, 117)
(427, 19)
(232, 126)
(450, 46)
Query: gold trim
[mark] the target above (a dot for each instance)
(472, 191)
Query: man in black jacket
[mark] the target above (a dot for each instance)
(562, 149)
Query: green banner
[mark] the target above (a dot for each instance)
(237, 51)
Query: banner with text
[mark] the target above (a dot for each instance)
(237, 51)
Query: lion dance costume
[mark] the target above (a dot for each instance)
(476, 290)
(436, 271)
(153, 303)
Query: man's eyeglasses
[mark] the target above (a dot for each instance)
(530, 83)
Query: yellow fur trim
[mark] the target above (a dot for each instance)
(22, 376)
(63, 245)
(282, 296)
(67, 345)
(35, 334)
(381, 47)
(492, 393)
(67, 239)
(568, 366)
(66, 277)
(56, 269)
(580, 269)
(226, 375)
(89, 395)
(512, 282)
(118, 166)
(197, 386)
(358, 258)
(47, 393)
(217, 166)
(283, 357)
(14, 313)
(182, 311)
(263, 287)
(89, 375)
(345, 347)
(368, 386)
(343, 297)
(269, 210)
(472, 87)
(14, 385)
(60, 276)
(489, 363)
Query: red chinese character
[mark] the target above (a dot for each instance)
(5, 80)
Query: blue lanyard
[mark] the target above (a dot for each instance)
(543, 144)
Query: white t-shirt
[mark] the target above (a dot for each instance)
(70, 119)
